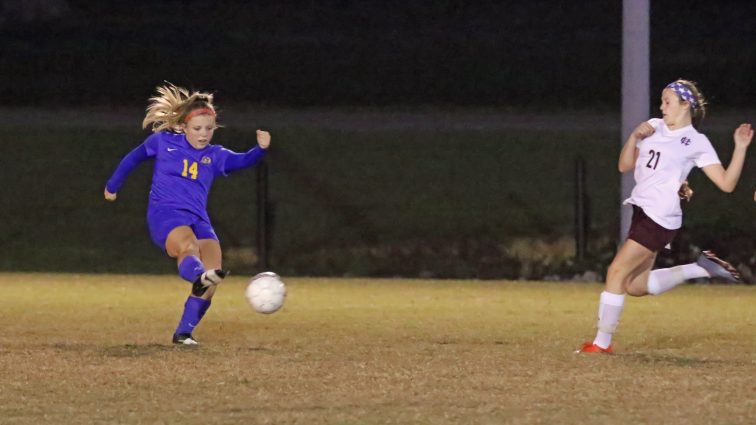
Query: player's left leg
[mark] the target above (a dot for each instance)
(212, 257)
(717, 268)
(662, 280)
(637, 286)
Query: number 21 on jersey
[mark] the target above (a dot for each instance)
(190, 169)
(654, 161)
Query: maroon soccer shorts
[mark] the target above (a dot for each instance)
(647, 233)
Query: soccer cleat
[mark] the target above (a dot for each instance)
(206, 280)
(717, 267)
(184, 339)
(589, 347)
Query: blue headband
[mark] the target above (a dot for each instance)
(684, 92)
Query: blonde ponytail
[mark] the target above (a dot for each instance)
(168, 109)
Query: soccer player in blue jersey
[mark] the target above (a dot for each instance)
(185, 166)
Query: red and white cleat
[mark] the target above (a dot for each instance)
(589, 347)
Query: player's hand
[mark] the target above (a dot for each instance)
(743, 135)
(263, 139)
(643, 130)
(110, 196)
(685, 191)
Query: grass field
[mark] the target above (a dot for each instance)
(96, 349)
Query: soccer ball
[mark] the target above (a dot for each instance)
(266, 293)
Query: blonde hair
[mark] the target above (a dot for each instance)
(172, 104)
(698, 113)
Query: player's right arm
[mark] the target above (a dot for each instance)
(629, 153)
(126, 166)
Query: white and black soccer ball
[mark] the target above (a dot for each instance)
(266, 293)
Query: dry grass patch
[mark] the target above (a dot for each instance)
(96, 349)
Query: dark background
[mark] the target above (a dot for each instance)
(430, 138)
(534, 54)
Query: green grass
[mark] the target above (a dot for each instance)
(95, 349)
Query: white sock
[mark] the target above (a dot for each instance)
(662, 280)
(610, 309)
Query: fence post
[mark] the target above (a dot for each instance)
(262, 216)
(580, 221)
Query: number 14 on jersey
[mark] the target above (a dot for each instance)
(190, 169)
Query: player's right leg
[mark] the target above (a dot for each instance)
(632, 260)
(197, 305)
(181, 244)
(632, 264)
(171, 230)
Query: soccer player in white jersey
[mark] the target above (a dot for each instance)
(662, 151)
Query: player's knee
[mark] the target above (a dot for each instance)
(634, 291)
(615, 272)
(187, 247)
(616, 276)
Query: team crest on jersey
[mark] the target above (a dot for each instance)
(685, 141)
(206, 160)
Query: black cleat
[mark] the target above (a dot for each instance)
(184, 339)
(207, 279)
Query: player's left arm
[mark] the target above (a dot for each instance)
(263, 139)
(727, 179)
(236, 161)
(685, 192)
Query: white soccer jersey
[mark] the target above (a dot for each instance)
(666, 157)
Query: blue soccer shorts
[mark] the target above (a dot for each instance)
(161, 220)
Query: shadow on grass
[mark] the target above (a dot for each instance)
(141, 350)
(137, 350)
(667, 359)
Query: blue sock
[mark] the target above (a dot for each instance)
(194, 309)
(191, 268)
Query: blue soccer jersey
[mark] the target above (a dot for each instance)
(182, 175)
